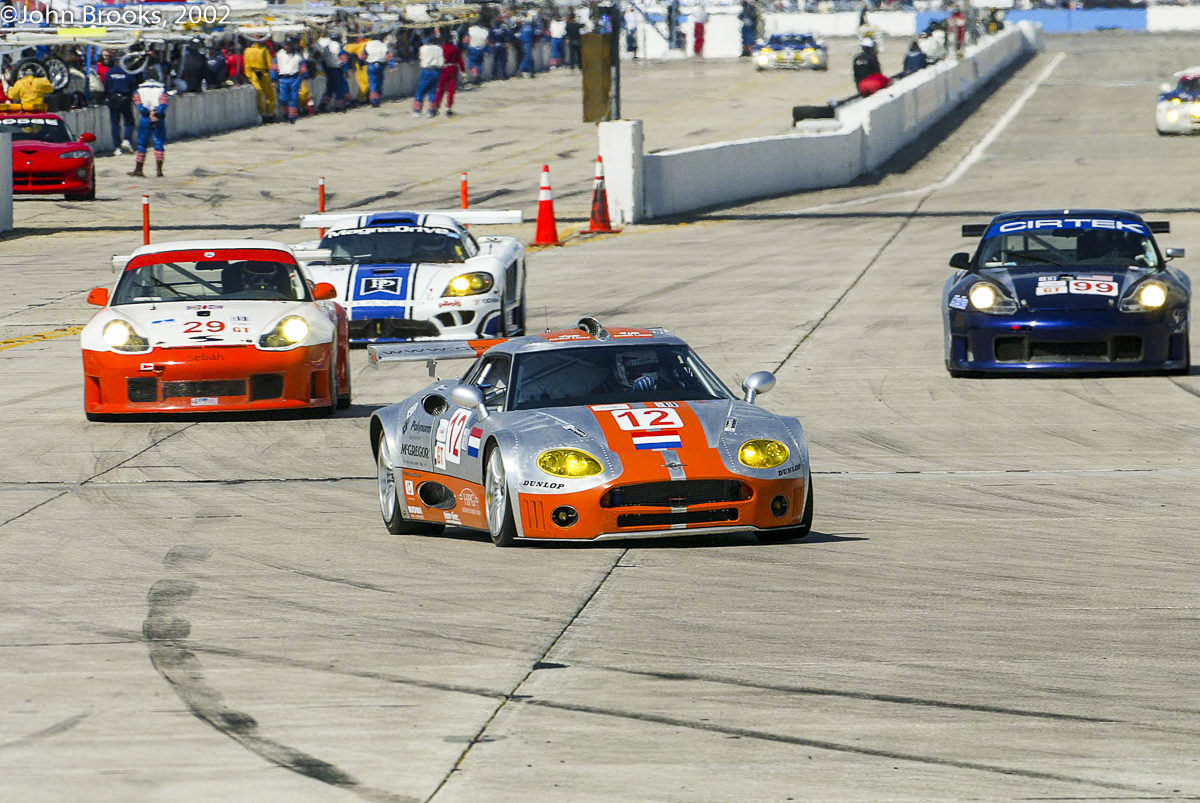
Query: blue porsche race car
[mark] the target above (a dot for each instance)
(791, 51)
(1066, 291)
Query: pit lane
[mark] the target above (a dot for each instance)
(996, 603)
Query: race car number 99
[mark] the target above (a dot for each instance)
(632, 420)
(1087, 288)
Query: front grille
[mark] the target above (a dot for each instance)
(673, 494)
(392, 328)
(28, 179)
(667, 519)
(142, 388)
(209, 387)
(1118, 348)
(266, 386)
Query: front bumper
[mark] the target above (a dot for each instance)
(598, 522)
(202, 379)
(1068, 341)
(53, 182)
(449, 319)
(1184, 123)
(798, 62)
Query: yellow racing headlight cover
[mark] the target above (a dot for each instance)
(571, 463)
(763, 453)
(469, 284)
(120, 335)
(287, 333)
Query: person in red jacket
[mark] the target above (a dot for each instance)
(451, 67)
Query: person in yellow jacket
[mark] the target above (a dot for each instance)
(257, 65)
(30, 88)
(360, 66)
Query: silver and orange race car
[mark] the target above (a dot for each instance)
(587, 434)
(214, 326)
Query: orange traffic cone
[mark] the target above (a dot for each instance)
(547, 229)
(600, 223)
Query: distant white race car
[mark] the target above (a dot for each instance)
(1178, 107)
(409, 275)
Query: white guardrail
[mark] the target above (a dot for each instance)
(870, 131)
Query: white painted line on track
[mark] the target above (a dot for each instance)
(976, 153)
(972, 157)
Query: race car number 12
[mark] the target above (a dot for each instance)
(642, 419)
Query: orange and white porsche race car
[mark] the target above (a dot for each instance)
(214, 326)
(587, 434)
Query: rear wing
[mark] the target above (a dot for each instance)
(429, 351)
(467, 217)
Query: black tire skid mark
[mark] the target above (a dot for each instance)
(166, 633)
(58, 727)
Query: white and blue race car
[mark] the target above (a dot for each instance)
(417, 275)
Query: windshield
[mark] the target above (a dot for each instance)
(194, 281)
(1189, 85)
(790, 41)
(610, 375)
(36, 129)
(1069, 247)
(394, 244)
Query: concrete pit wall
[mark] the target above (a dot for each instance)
(869, 132)
(6, 183)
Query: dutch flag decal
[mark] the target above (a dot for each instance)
(658, 439)
(473, 442)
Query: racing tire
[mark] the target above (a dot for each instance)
(327, 412)
(502, 527)
(343, 399)
(390, 504)
(801, 530)
(1186, 368)
(57, 73)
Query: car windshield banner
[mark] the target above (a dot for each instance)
(1064, 224)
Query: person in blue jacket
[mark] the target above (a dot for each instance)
(151, 101)
(528, 35)
(499, 48)
(118, 96)
(915, 59)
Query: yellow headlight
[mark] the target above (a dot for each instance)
(762, 453)
(1196, 110)
(569, 463)
(469, 284)
(1152, 295)
(983, 296)
(1175, 101)
(117, 334)
(294, 329)
(1172, 116)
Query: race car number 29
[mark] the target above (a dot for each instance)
(643, 419)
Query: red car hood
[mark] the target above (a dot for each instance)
(29, 151)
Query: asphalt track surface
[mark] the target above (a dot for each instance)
(998, 601)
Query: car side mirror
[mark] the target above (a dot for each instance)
(324, 291)
(87, 136)
(98, 296)
(1175, 253)
(470, 397)
(758, 382)
(961, 261)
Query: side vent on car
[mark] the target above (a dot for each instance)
(434, 404)
(436, 495)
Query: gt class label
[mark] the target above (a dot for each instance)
(641, 419)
